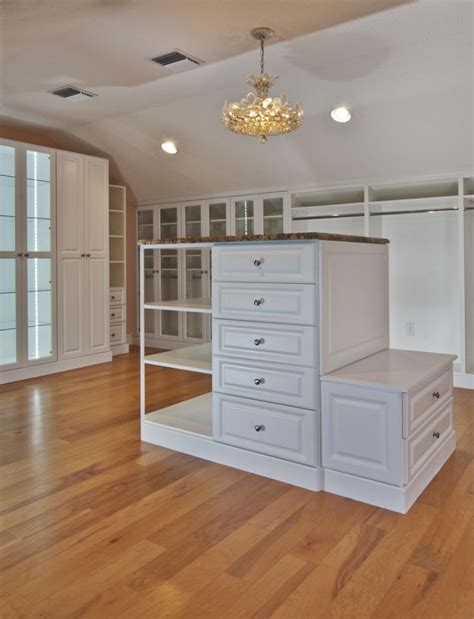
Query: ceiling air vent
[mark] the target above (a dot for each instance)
(176, 61)
(73, 94)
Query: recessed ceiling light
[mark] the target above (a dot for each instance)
(169, 147)
(340, 114)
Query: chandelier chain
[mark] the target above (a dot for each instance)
(262, 55)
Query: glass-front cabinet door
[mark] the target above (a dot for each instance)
(38, 267)
(243, 209)
(27, 269)
(273, 214)
(217, 219)
(169, 291)
(146, 231)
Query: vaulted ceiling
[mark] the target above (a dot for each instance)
(406, 72)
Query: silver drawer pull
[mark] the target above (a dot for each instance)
(436, 394)
(259, 341)
(259, 381)
(258, 302)
(258, 262)
(436, 434)
(259, 428)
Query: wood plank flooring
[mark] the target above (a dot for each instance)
(94, 523)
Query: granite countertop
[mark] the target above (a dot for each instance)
(290, 236)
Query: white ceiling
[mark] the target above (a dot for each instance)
(406, 73)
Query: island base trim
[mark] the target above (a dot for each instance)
(206, 448)
(395, 498)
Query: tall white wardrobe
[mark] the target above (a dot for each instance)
(54, 262)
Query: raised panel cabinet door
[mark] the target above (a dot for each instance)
(71, 308)
(96, 207)
(97, 305)
(362, 431)
(70, 204)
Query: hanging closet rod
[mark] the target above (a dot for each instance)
(379, 214)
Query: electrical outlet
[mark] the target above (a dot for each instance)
(410, 328)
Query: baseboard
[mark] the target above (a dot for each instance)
(464, 381)
(34, 371)
(395, 498)
(203, 447)
(119, 349)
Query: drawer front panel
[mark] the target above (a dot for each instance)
(425, 403)
(117, 334)
(291, 385)
(293, 304)
(117, 314)
(426, 441)
(289, 344)
(272, 429)
(117, 296)
(262, 262)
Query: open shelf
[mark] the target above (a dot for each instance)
(193, 415)
(196, 358)
(199, 306)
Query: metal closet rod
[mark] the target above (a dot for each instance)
(380, 214)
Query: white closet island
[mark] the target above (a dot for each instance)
(290, 313)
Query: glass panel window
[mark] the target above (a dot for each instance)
(244, 217)
(40, 312)
(38, 186)
(272, 215)
(192, 220)
(7, 198)
(8, 351)
(144, 224)
(217, 219)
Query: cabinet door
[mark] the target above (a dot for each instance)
(39, 256)
(10, 257)
(145, 229)
(71, 307)
(97, 305)
(243, 213)
(217, 218)
(170, 324)
(70, 198)
(96, 207)
(273, 213)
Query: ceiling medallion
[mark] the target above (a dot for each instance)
(258, 114)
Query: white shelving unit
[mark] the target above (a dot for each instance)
(429, 223)
(197, 358)
(118, 269)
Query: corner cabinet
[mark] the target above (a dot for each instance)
(83, 253)
(53, 261)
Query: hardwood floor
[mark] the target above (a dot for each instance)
(96, 524)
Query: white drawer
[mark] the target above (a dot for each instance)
(291, 385)
(279, 303)
(426, 441)
(265, 262)
(117, 314)
(280, 431)
(291, 344)
(118, 334)
(426, 402)
(116, 296)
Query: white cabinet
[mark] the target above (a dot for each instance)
(83, 253)
(260, 214)
(117, 269)
(386, 426)
(27, 252)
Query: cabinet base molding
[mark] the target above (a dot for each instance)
(395, 498)
(288, 472)
(119, 349)
(54, 367)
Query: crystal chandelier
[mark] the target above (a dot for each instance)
(258, 114)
